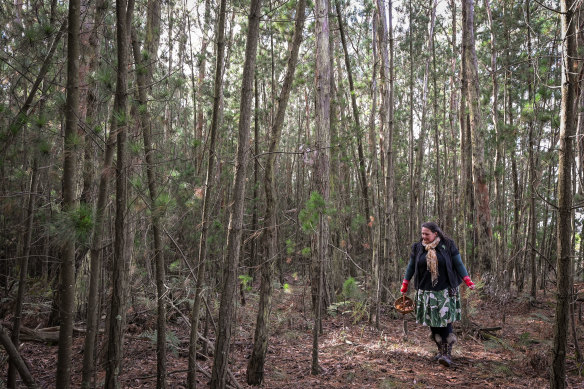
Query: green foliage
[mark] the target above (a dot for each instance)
(106, 77)
(245, 280)
(308, 217)
(290, 247)
(351, 289)
(174, 266)
(353, 301)
(74, 224)
(121, 118)
(163, 203)
(306, 252)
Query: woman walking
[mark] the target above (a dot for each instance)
(437, 268)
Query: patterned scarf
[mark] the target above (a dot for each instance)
(431, 259)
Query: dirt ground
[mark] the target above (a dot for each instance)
(353, 354)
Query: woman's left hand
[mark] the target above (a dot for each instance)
(469, 283)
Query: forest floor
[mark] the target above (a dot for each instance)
(353, 353)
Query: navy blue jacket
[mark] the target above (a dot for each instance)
(454, 266)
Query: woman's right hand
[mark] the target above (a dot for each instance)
(404, 287)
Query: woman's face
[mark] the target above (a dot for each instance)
(428, 236)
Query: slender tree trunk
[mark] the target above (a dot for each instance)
(322, 171)
(359, 131)
(499, 169)
(387, 74)
(438, 179)
(256, 170)
(481, 190)
(412, 217)
(202, 68)
(12, 369)
(67, 286)
(255, 367)
(417, 190)
(567, 117)
(124, 9)
(532, 173)
(356, 117)
(143, 80)
(236, 215)
(220, 53)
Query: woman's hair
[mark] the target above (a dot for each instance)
(434, 228)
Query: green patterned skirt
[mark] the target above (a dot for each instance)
(437, 308)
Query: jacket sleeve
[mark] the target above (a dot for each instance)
(412, 265)
(458, 265)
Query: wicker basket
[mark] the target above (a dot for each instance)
(404, 305)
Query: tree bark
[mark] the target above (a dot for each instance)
(322, 171)
(532, 173)
(144, 71)
(564, 228)
(124, 10)
(481, 190)
(499, 168)
(417, 190)
(255, 367)
(236, 215)
(387, 74)
(67, 285)
(12, 369)
(220, 53)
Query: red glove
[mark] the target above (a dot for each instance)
(468, 282)
(404, 287)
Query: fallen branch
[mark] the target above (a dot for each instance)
(17, 359)
(42, 335)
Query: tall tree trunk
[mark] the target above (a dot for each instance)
(452, 120)
(144, 79)
(420, 147)
(236, 215)
(255, 367)
(481, 190)
(356, 117)
(387, 74)
(124, 9)
(499, 169)
(220, 53)
(438, 200)
(67, 286)
(202, 68)
(93, 306)
(358, 132)
(532, 173)
(253, 256)
(12, 370)
(567, 117)
(412, 216)
(322, 171)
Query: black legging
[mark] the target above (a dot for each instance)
(442, 331)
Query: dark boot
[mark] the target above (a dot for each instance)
(438, 340)
(446, 358)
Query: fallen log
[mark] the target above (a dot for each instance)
(42, 335)
(17, 359)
